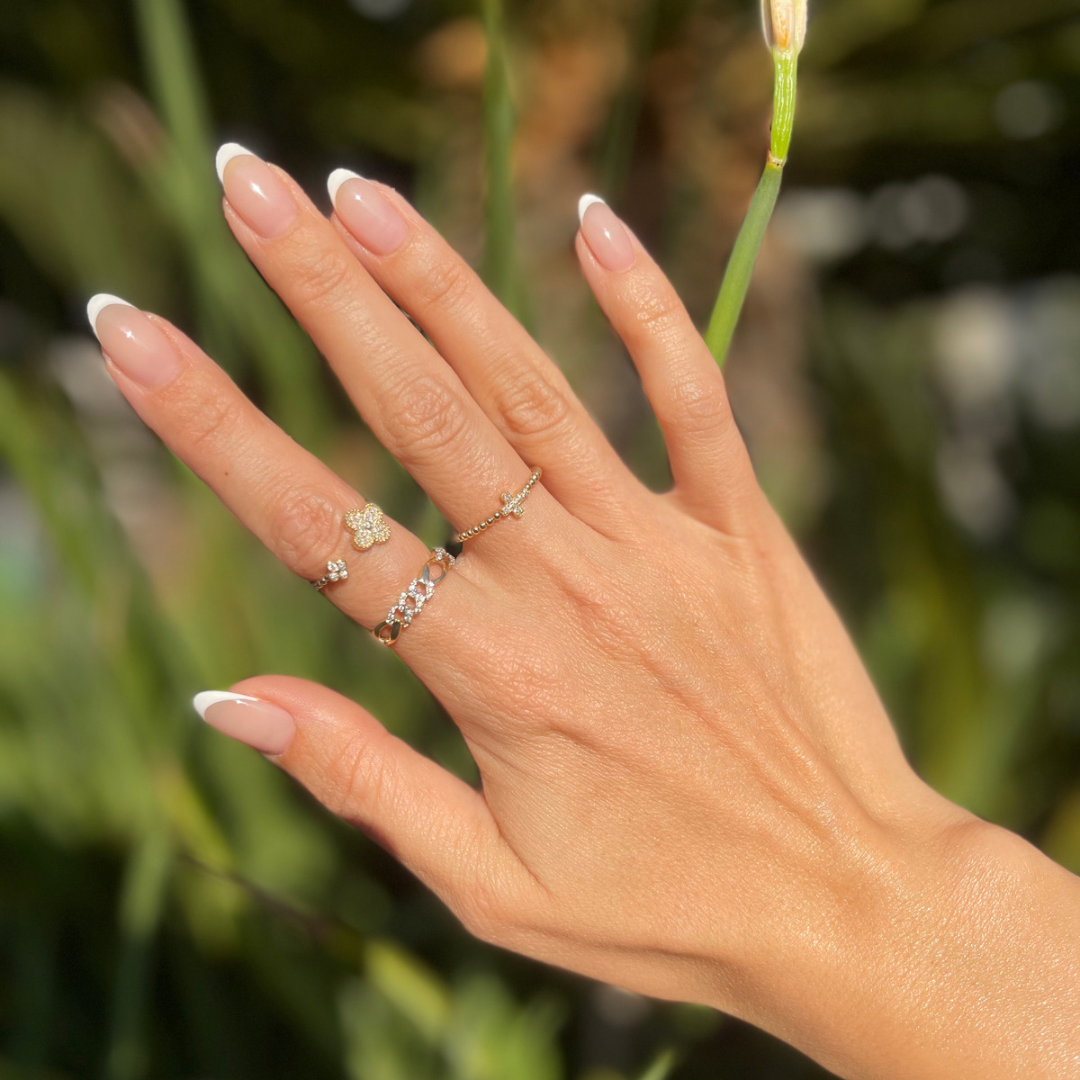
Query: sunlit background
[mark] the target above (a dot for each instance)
(907, 375)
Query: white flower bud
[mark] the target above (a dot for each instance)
(784, 23)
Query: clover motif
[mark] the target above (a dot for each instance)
(367, 526)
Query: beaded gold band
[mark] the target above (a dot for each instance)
(511, 508)
(413, 599)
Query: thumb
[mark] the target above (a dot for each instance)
(436, 824)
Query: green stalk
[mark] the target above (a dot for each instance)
(499, 262)
(740, 268)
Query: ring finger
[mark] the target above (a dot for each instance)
(288, 498)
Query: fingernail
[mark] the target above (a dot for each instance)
(132, 342)
(366, 212)
(254, 191)
(605, 234)
(259, 724)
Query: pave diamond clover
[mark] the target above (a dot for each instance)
(368, 527)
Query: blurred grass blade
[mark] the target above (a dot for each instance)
(140, 911)
(620, 137)
(170, 62)
(661, 1067)
(34, 969)
(236, 310)
(410, 987)
(499, 267)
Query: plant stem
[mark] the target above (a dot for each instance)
(785, 76)
(740, 268)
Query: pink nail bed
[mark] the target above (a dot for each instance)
(605, 234)
(255, 192)
(132, 342)
(265, 727)
(366, 212)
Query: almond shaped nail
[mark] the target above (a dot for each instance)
(132, 342)
(256, 723)
(255, 191)
(366, 212)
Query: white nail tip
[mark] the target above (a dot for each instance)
(203, 701)
(585, 202)
(97, 304)
(225, 154)
(336, 179)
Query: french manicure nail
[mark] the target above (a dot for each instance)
(254, 191)
(256, 723)
(132, 342)
(366, 212)
(605, 234)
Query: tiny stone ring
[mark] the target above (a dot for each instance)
(336, 570)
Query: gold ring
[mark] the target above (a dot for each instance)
(511, 508)
(368, 527)
(412, 600)
(336, 570)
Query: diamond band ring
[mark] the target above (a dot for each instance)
(511, 508)
(413, 599)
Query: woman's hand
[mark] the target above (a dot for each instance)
(690, 787)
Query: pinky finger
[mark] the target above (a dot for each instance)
(434, 823)
(709, 462)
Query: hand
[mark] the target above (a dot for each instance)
(690, 787)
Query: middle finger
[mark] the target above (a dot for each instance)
(405, 392)
(517, 385)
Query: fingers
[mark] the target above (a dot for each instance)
(712, 471)
(413, 402)
(524, 394)
(289, 499)
(437, 825)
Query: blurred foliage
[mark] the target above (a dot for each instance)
(907, 374)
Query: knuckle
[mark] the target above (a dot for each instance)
(305, 526)
(427, 416)
(533, 407)
(324, 280)
(363, 783)
(699, 406)
(658, 311)
(355, 782)
(210, 421)
(445, 284)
